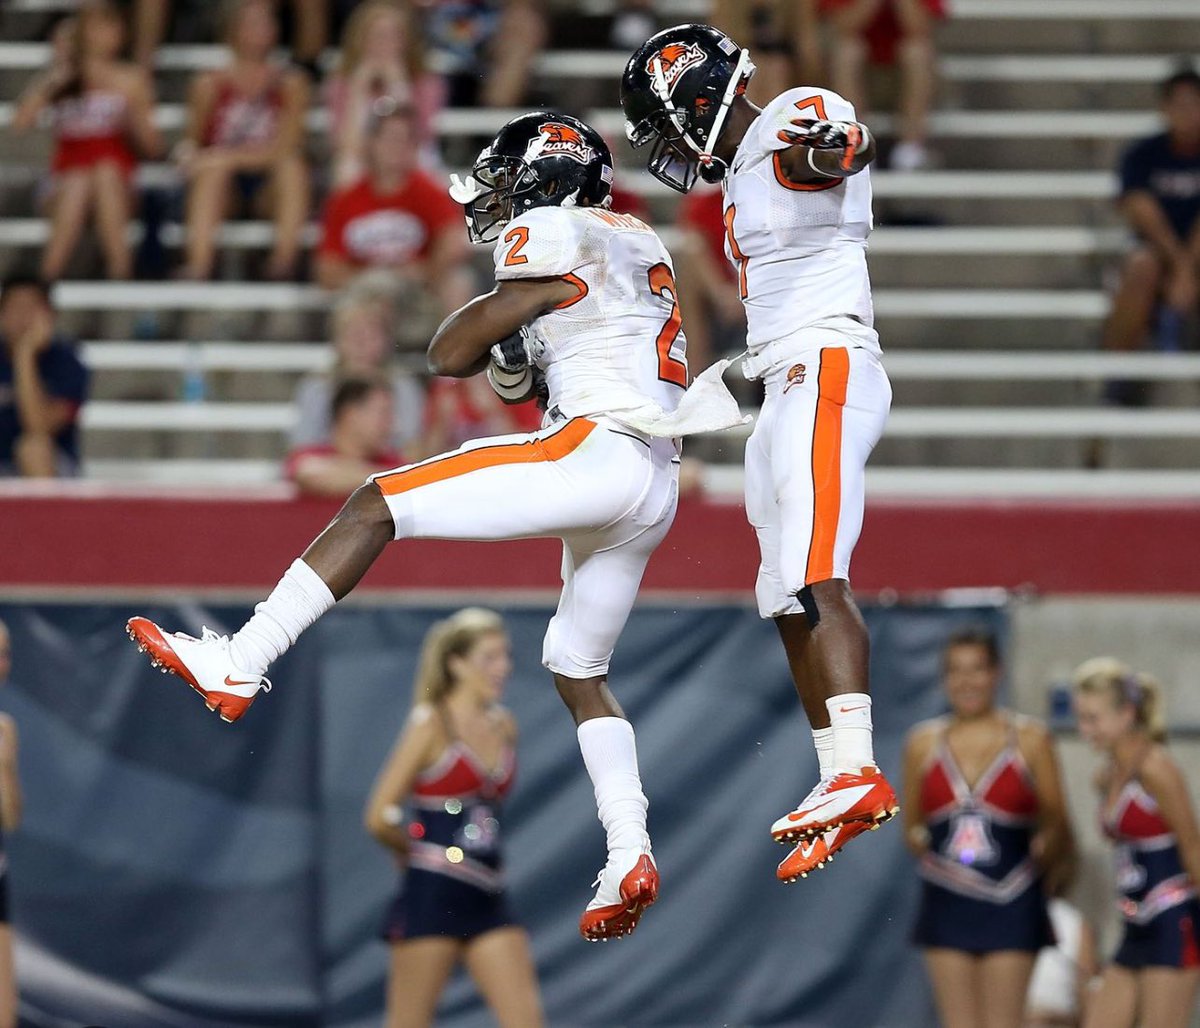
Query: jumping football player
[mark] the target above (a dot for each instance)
(797, 209)
(588, 298)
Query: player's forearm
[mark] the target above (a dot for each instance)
(832, 163)
(460, 346)
(1147, 219)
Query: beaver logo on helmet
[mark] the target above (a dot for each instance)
(558, 138)
(675, 59)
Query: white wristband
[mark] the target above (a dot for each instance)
(510, 386)
(824, 174)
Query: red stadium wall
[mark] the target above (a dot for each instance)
(83, 538)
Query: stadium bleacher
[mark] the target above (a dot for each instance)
(988, 271)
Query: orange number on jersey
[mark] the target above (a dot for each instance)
(670, 369)
(817, 103)
(514, 256)
(741, 258)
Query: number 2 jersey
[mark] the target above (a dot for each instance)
(616, 345)
(799, 250)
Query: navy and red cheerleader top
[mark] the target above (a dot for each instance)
(979, 837)
(1150, 874)
(455, 823)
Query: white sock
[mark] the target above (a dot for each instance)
(295, 603)
(823, 740)
(850, 723)
(610, 754)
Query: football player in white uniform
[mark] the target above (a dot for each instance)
(585, 298)
(797, 210)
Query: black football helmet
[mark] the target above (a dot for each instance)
(676, 92)
(537, 160)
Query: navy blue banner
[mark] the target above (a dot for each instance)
(176, 871)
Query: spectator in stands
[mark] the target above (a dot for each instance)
(10, 819)
(459, 409)
(42, 385)
(310, 22)
(398, 218)
(502, 37)
(1160, 200)
(359, 442)
(714, 319)
(363, 334)
(383, 55)
(784, 37)
(101, 109)
(244, 144)
(1148, 813)
(887, 32)
(984, 812)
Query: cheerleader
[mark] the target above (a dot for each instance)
(985, 815)
(1146, 810)
(453, 764)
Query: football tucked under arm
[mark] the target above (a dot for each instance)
(461, 346)
(511, 369)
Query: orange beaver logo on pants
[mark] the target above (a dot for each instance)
(795, 376)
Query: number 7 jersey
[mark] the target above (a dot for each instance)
(616, 344)
(799, 249)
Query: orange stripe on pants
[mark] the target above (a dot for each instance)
(531, 451)
(827, 462)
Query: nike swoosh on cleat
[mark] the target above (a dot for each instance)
(231, 682)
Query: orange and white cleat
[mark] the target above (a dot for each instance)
(628, 884)
(812, 854)
(863, 795)
(205, 664)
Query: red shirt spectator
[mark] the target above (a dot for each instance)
(396, 218)
(358, 445)
(367, 228)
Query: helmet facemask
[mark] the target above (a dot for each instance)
(492, 192)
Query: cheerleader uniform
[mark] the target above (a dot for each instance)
(982, 891)
(1157, 897)
(454, 884)
(89, 129)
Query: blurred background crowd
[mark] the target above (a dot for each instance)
(275, 173)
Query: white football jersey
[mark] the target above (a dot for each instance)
(799, 250)
(617, 343)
